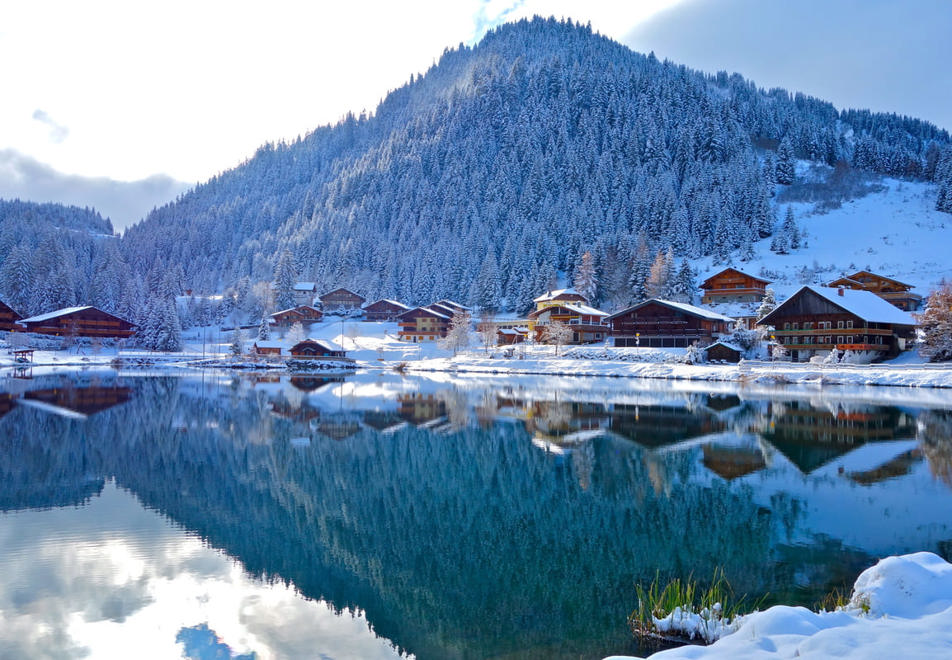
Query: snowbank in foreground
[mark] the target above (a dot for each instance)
(900, 608)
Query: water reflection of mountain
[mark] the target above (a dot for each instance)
(466, 543)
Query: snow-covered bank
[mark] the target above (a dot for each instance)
(905, 375)
(901, 607)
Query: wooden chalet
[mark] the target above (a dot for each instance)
(559, 297)
(733, 286)
(315, 349)
(78, 322)
(587, 323)
(893, 291)
(666, 324)
(272, 348)
(721, 351)
(303, 314)
(816, 320)
(384, 310)
(422, 324)
(304, 293)
(341, 300)
(8, 318)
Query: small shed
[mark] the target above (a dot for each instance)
(509, 336)
(268, 347)
(721, 351)
(313, 348)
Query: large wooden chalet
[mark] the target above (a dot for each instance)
(423, 324)
(587, 323)
(666, 324)
(78, 322)
(383, 310)
(341, 300)
(816, 320)
(8, 317)
(896, 292)
(733, 286)
(315, 349)
(303, 314)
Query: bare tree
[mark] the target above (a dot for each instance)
(487, 330)
(457, 336)
(557, 333)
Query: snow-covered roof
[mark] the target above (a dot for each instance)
(584, 309)
(733, 347)
(66, 311)
(513, 331)
(385, 300)
(864, 304)
(323, 343)
(428, 310)
(739, 272)
(270, 344)
(451, 303)
(305, 286)
(443, 310)
(552, 295)
(684, 307)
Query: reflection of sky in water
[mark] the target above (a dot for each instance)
(114, 580)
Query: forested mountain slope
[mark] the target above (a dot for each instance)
(506, 161)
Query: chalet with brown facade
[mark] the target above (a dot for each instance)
(587, 323)
(816, 320)
(268, 348)
(341, 300)
(423, 324)
(8, 317)
(667, 324)
(893, 291)
(315, 349)
(384, 310)
(303, 314)
(733, 286)
(78, 322)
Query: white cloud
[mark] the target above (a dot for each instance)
(189, 89)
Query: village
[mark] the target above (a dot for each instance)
(860, 318)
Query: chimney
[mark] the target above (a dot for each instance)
(841, 292)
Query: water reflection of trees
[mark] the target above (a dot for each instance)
(935, 437)
(466, 542)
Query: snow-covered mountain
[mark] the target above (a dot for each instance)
(489, 176)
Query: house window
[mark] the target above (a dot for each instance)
(839, 325)
(849, 324)
(786, 326)
(796, 326)
(839, 340)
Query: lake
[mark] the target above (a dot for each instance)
(220, 515)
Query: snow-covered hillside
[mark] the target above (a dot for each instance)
(896, 232)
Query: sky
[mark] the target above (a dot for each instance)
(159, 95)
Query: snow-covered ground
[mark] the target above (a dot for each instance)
(896, 232)
(900, 608)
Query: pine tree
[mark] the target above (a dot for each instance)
(786, 162)
(684, 284)
(237, 347)
(586, 281)
(791, 230)
(935, 325)
(768, 304)
(487, 289)
(264, 330)
(284, 279)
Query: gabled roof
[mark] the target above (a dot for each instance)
(4, 306)
(446, 310)
(426, 310)
(726, 345)
(385, 300)
(576, 308)
(341, 290)
(865, 305)
(305, 286)
(553, 295)
(693, 310)
(323, 343)
(270, 344)
(66, 311)
(854, 278)
(452, 303)
(739, 272)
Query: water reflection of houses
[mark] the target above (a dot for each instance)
(732, 462)
(655, 426)
(421, 409)
(811, 437)
(76, 402)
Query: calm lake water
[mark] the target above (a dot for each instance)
(225, 516)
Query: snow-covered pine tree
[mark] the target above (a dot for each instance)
(786, 162)
(487, 289)
(791, 229)
(684, 284)
(935, 325)
(264, 330)
(586, 281)
(237, 346)
(768, 304)
(284, 280)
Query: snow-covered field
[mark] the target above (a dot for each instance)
(900, 608)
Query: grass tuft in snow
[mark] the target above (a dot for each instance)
(685, 610)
